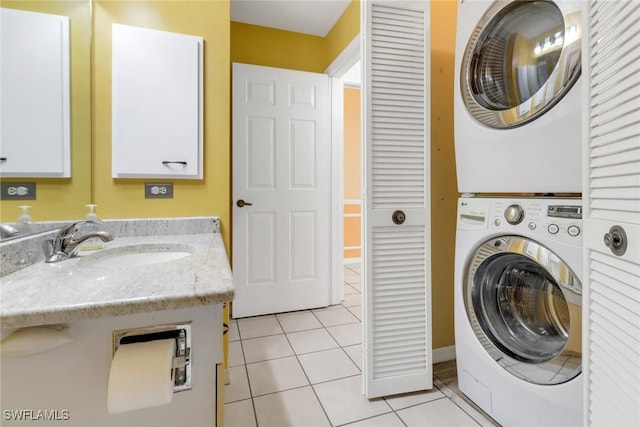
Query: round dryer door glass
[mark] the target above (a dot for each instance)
(524, 305)
(521, 59)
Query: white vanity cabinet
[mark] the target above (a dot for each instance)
(70, 382)
(157, 106)
(35, 122)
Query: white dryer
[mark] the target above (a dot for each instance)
(517, 107)
(518, 309)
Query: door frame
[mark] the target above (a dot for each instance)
(336, 70)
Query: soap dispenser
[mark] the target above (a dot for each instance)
(93, 224)
(24, 223)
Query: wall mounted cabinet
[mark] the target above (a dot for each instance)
(156, 104)
(34, 74)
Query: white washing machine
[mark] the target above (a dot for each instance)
(517, 107)
(518, 309)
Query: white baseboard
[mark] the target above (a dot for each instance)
(352, 260)
(444, 354)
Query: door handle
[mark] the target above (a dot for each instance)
(241, 203)
(398, 217)
(616, 240)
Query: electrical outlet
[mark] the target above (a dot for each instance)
(18, 191)
(154, 190)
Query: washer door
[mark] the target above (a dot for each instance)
(524, 305)
(521, 59)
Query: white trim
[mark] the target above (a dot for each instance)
(337, 189)
(352, 260)
(352, 248)
(347, 58)
(353, 215)
(353, 202)
(443, 354)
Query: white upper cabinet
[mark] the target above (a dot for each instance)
(34, 89)
(156, 104)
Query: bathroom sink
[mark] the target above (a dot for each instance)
(137, 255)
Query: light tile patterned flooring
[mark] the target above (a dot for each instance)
(303, 369)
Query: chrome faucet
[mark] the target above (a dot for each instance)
(7, 230)
(67, 242)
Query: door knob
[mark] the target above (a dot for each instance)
(398, 217)
(616, 240)
(241, 203)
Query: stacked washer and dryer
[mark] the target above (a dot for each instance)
(518, 266)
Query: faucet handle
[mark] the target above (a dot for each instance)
(68, 229)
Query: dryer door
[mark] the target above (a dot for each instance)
(521, 59)
(524, 305)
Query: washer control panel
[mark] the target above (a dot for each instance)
(558, 218)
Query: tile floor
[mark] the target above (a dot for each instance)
(302, 369)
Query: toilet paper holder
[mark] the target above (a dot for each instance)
(181, 332)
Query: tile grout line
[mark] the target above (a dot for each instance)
(246, 370)
(324, 411)
(447, 392)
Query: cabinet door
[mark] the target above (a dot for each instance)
(34, 81)
(612, 208)
(156, 104)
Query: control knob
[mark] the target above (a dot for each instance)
(514, 214)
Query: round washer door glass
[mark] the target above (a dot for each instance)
(523, 303)
(521, 59)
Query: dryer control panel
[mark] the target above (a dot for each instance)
(556, 218)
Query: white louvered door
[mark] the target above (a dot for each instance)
(612, 198)
(396, 134)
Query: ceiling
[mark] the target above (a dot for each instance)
(315, 17)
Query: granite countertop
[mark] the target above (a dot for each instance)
(74, 289)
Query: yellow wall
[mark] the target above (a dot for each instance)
(124, 198)
(351, 171)
(252, 44)
(444, 192)
(346, 28)
(64, 198)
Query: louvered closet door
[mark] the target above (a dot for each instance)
(397, 273)
(612, 196)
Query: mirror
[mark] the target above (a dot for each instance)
(63, 199)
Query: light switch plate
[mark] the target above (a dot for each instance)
(18, 191)
(154, 190)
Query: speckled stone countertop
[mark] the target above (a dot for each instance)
(74, 289)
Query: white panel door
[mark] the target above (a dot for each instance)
(397, 273)
(282, 172)
(612, 209)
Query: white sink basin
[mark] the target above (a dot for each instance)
(137, 255)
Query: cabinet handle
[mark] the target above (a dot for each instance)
(3, 159)
(177, 162)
